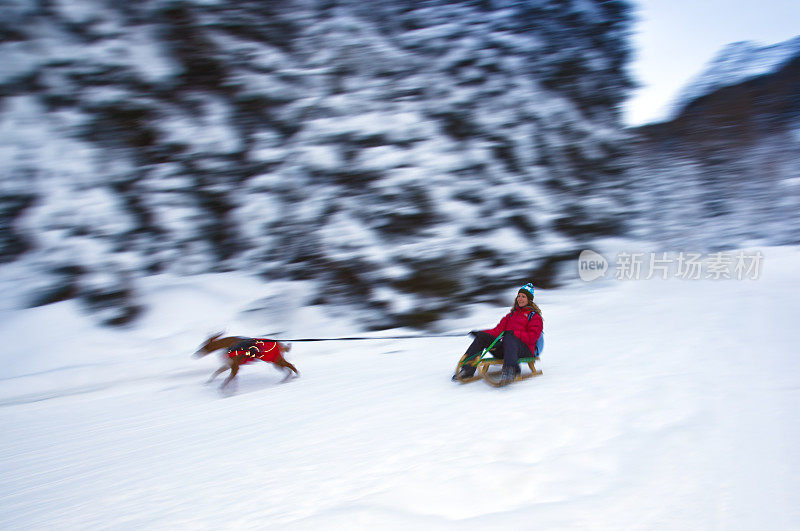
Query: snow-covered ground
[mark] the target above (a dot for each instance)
(663, 405)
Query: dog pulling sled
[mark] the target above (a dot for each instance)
(484, 362)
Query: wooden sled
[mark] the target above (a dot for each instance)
(493, 377)
(476, 376)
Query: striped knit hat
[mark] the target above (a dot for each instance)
(528, 290)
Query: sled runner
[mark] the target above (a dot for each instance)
(493, 378)
(484, 363)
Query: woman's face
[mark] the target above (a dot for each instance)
(522, 300)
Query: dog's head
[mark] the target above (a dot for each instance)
(208, 346)
(285, 347)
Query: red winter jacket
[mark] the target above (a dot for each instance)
(256, 349)
(517, 321)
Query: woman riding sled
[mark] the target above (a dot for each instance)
(520, 328)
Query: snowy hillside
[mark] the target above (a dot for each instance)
(664, 404)
(724, 172)
(734, 64)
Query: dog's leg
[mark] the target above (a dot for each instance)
(286, 374)
(234, 371)
(226, 366)
(219, 371)
(281, 362)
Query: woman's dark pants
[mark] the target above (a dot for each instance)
(510, 348)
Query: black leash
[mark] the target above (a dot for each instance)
(365, 338)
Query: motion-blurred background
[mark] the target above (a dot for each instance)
(396, 154)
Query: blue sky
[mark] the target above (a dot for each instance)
(674, 39)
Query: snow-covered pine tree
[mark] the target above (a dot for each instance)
(398, 153)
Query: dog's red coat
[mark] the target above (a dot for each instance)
(262, 349)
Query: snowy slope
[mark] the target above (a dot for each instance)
(663, 405)
(734, 64)
(729, 155)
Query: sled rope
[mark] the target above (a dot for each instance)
(367, 338)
